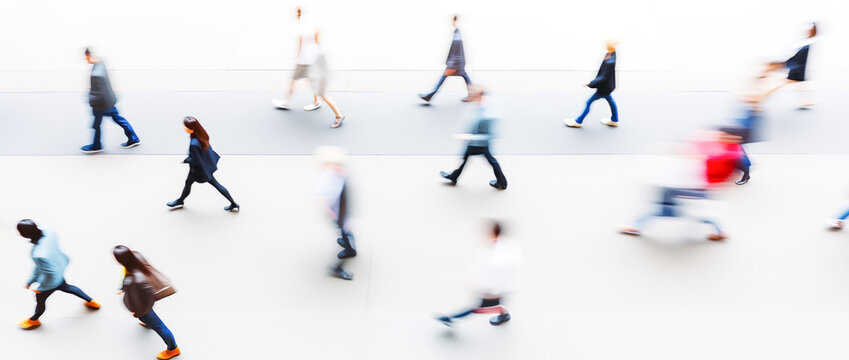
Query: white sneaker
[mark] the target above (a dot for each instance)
(281, 104)
(835, 224)
(312, 106)
(571, 123)
(608, 122)
(629, 230)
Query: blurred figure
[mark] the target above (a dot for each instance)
(332, 190)
(796, 67)
(478, 139)
(139, 296)
(102, 100)
(604, 83)
(203, 162)
(49, 272)
(455, 65)
(497, 274)
(746, 129)
(718, 155)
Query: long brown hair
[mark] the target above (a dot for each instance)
(129, 260)
(198, 132)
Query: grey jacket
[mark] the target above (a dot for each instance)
(101, 97)
(456, 56)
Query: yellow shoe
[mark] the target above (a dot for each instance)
(92, 305)
(167, 354)
(29, 324)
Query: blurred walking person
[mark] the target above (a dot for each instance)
(796, 66)
(332, 190)
(478, 139)
(203, 162)
(140, 295)
(102, 100)
(455, 65)
(48, 276)
(497, 275)
(604, 83)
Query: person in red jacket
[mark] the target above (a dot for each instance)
(718, 155)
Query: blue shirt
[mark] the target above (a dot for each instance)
(50, 262)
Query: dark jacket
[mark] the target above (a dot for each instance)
(797, 64)
(202, 163)
(101, 97)
(456, 56)
(138, 294)
(605, 81)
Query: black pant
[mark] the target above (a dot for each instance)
(191, 180)
(481, 150)
(41, 298)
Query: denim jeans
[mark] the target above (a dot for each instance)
(460, 72)
(41, 298)
(669, 207)
(118, 119)
(614, 112)
(155, 323)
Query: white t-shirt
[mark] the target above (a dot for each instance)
(497, 267)
(309, 49)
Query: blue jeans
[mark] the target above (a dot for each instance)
(669, 207)
(41, 298)
(152, 321)
(118, 119)
(844, 216)
(614, 112)
(460, 72)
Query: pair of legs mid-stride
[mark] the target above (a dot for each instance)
(500, 181)
(153, 322)
(41, 303)
(613, 121)
(187, 189)
(487, 306)
(669, 208)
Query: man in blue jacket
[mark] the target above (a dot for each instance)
(49, 272)
(604, 83)
(455, 65)
(102, 100)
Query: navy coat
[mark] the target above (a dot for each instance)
(605, 81)
(202, 163)
(797, 64)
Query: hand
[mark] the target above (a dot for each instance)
(119, 292)
(133, 314)
(449, 72)
(587, 85)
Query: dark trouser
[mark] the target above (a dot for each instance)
(41, 298)
(487, 306)
(744, 164)
(460, 72)
(614, 112)
(669, 206)
(118, 119)
(155, 323)
(481, 150)
(191, 180)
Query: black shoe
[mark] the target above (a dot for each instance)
(447, 321)
(347, 253)
(425, 97)
(232, 207)
(339, 272)
(449, 177)
(130, 144)
(742, 181)
(176, 204)
(495, 184)
(500, 319)
(91, 149)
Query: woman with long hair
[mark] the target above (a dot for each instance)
(203, 161)
(139, 297)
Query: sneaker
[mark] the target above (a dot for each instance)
(339, 272)
(447, 321)
(835, 224)
(571, 123)
(425, 97)
(167, 354)
(130, 144)
(176, 204)
(347, 253)
(466, 99)
(495, 184)
(629, 230)
(232, 207)
(90, 149)
(742, 181)
(449, 177)
(716, 237)
(500, 319)
(29, 324)
(92, 305)
(608, 122)
(281, 104)
(312, 106)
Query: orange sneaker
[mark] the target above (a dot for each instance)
(167, 354)
(92, 305)
(29, 324)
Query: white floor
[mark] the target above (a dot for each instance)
(254, 284)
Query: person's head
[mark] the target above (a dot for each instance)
(125, 257)
(611, 46)
(330, 156)
(476, 93)
(454, 21)
(91, 59)
(196, 131)
(29, 230)
(496, 231)
(813, 30)
(298, 13)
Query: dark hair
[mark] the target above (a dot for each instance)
(28, 229)
(496, 229)
(198, 131)
(126, 258)
(455, 17)
(87, 52)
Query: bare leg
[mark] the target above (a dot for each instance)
(332, 105)
(781, 85)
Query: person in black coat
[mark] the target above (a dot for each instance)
(604, 83)
(455, 64)
(102, 100)
(796, 66)
(203, 161)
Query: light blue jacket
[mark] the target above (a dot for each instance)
(50, 262)
(484, 118)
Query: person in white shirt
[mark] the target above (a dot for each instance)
(331, 192)
(496, 274)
